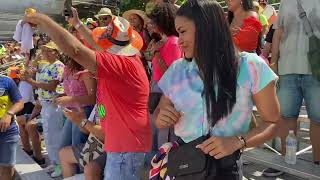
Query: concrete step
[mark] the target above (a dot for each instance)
(28, 169)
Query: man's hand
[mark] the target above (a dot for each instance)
(5, 122)
(33, 18)
(74, 20)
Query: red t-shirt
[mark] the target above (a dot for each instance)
(122, 98)
(247, 38)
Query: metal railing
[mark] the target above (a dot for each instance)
(4, 67)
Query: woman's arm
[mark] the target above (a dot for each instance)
(50, 86)
(269, 109)
(89, 99)
(91, 86)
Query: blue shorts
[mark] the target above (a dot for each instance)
(8, 149)
(293, 89)
(123, 166)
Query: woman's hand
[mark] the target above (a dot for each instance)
(167, 117)
(27, 76)
(74, 116)
(234, 30)
(219, 147)
(162, 65)
(63, 101)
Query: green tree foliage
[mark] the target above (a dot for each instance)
(132, 4)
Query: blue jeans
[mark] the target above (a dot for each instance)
(293, 89)
(71, 134)
(123, 166)
(8, 148)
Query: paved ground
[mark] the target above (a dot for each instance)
(251, 172)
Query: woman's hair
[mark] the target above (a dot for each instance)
(163, 16)
(215, 56)
(71, 64)
(247, 5)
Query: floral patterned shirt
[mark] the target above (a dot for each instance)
(49, 73)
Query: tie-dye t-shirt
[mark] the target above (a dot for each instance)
(183, 86)
(49, 73)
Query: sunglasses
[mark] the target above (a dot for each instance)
(104, 18)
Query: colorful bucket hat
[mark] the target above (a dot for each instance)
(118, 38)
(90, 21)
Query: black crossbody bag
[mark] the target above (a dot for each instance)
(190, 163)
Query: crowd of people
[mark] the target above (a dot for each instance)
(9, 52)
(120, 94)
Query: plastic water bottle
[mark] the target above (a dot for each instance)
(291, 148)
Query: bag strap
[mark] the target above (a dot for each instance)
(303, 16)
(92, 114)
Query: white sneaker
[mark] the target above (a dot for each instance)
(57, 171)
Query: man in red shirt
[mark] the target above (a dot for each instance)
(122, 93)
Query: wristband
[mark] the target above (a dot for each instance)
(243, 142)
(10, 113)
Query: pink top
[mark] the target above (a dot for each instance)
(73, 86)
(169, 52)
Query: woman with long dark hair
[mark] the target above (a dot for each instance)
(212, 90)
(244, 25)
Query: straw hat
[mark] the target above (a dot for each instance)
(118, 38)
(256, 4)
(51, 45)
(139, 13)
(103, 12)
